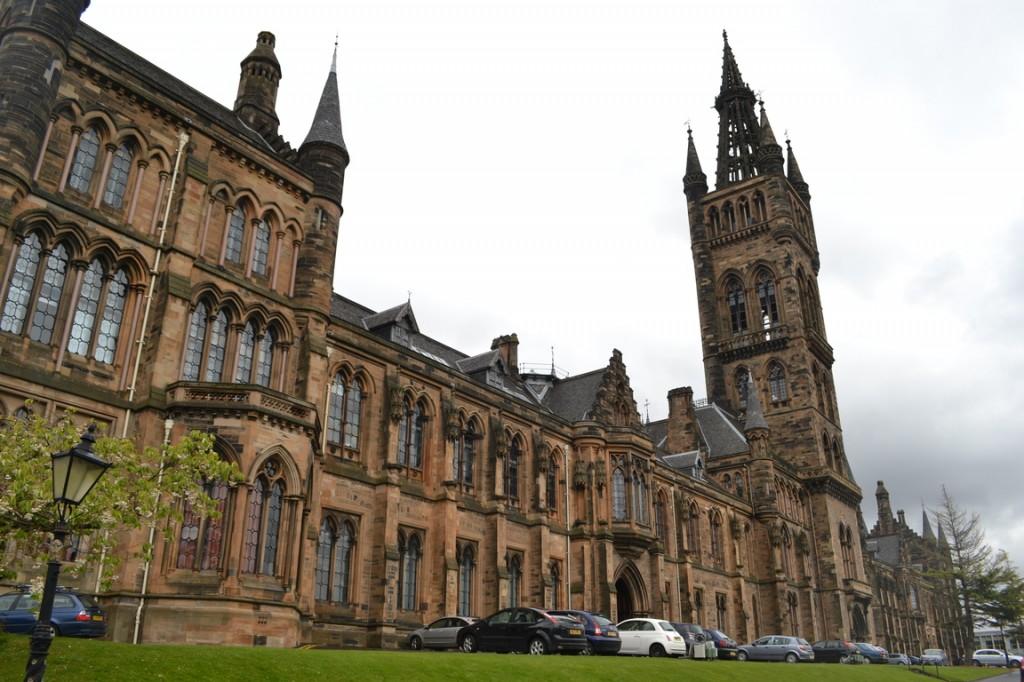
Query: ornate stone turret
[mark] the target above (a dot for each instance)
(738, 130)
(886, 522)
(34, 40)
(755, 428)
(769, 154)
(695, 183)
(796, 178)
(256, 103)
(323, 154)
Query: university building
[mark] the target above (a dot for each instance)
(391, 479)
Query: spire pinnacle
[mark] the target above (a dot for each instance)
(769, 153)
(738, 129)
(327, 120)
(926, 525)
(755, 415)
(695, 182)
(794, 175)
(334, 59)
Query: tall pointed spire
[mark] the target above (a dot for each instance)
(738, 130)
(695, 183)
(326, 126)
(755, 415)
(769, 154)
(942, 536)
(926, 526)
(796, 178)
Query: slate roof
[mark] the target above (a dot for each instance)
(572, 397)
(658, 433)
(886, 548)
(327, 120)
(129, 62)
(390, 316)
(722, 433)
(479, 362)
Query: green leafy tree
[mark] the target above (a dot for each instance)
(141, 488)
(1000, 598)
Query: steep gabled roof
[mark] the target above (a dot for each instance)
(720, 431)
(392, 316)
(573, 397)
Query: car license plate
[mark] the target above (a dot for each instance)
(613, 634)
(97, 617)
(575, 631)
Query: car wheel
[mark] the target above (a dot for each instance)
(1014, 664)
(791, 658)
(415, 643)
(977, 663)
(468, 644)
(587, 650)
(657, 651)
(538, 647)
(741, 656)
(867, 661)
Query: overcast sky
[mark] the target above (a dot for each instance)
(516, 165)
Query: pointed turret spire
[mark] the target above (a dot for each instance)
(695, 183)
(755, 415)
(769, 155)
(796, 178)
(926, 526)
(942, 536)
(327, 120)
(738, 130)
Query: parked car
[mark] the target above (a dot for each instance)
(899, 659)
(74, 614)
(524, 629)
(602, 635)
(777, 648)
(726, 645)
(995, 657)
(833, 651)
(650, 637)
(441, 634)
(691, 632)
(872, 653)
(914, 660)
(934, 657)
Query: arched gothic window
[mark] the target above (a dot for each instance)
(551, 482)
(717, 546)
(246, 351)
(235, 236)
(515, 579)
(760, 211)
(714, 222)
(661, 518)
(261, 248)
(218, 347)
(85, 161)
(693, 531)
(265, 361)
(467, 569)
(765, 286)
(618, 495)
(777, 383)
(639, 498)
(465, 454)
(555, 572)
(263, 521)
(117, 178)
(87, 311)
(344, 411)
(201, 541)
(23, 279)
(837, 457)
(736, 300)
(744, 208)
(410, 436)
(740, 489)
(729, 217)
(333, 561)
(44, 318)
(409, 552)
(195, 343)
(784, 550)
(512, 463)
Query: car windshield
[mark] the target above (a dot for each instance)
(87, 601)
(802, 641)
(602, 621)
(933, 652)
(666, 626)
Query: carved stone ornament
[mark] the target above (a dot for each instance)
(614, 404)
(500, 443)
(802, 543)
(451, 420)
(600, 470)
(579, 475)
(396, 406)
(736, 526)
(775, 534)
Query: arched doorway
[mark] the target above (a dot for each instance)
(859, 623)
(630, 593)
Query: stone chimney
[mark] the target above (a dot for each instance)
(902, 517)
(885, 520)
(508, 347)
(682, 424)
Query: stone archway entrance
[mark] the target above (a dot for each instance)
(858, 623)
(630, 594)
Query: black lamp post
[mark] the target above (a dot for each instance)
(75, 472)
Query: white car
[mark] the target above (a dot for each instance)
(650, 637)
(994, 657)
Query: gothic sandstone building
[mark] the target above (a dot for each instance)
(391, 479)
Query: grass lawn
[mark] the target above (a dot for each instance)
(72, 660)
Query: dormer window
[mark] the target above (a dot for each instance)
(400, 335)
(494, 378)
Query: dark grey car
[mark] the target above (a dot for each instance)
(443, 633)
(777, 648)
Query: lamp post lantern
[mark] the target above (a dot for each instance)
(75, 473)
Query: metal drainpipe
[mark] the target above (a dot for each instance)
(168, 425)
(182, 141)
(568, 536)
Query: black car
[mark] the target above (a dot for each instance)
(726, 645)
(692, 634)
(834, 651)
(524, 629)
(74, 614)
(872, 653)
(602, 635)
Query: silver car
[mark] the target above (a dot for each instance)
(443, 633)
(777, 648)
(934, 657)
(995, 657)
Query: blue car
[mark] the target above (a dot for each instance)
(74, 614)
(872, 653)
(602, 635)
